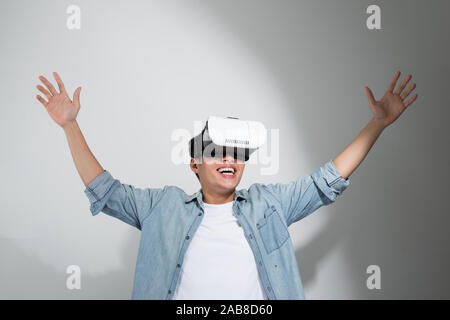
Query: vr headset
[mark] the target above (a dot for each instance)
(228, 136)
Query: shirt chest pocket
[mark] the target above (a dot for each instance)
(272, 230)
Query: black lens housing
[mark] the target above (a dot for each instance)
(199, 148)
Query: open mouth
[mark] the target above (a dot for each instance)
(227, 172)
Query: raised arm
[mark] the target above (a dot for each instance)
(106, 194)
(385, 112)
(64, 112)
(303, 196)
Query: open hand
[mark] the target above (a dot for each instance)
(392, 104)
(59, 106)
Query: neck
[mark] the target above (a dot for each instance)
(215, 198)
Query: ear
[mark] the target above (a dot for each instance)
(194, 165)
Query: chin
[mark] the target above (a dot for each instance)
(228, 186)
(233, 185)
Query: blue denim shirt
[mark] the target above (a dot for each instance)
(168, 219)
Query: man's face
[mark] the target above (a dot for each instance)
(219, 174)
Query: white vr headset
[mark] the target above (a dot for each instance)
(228, 136)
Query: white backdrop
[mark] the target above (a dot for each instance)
(148, 68)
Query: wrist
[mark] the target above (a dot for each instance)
(378, 123)
(69, 126)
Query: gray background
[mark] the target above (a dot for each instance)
(148, 68)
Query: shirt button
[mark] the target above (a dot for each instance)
(260, 263)
(170, 292)
(199, 214)
(178, 265)
(251, 236)
(187, 237)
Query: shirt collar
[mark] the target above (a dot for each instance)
(240, 194)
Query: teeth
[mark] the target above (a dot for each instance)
(228, 171)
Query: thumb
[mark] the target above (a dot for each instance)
(76, 97)
(370, 96)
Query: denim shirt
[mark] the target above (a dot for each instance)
(168, 219)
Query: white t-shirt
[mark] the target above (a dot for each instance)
(219, 263)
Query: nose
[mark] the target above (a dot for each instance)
(228, 158)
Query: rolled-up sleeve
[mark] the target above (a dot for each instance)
(303, 196)
(122, 201)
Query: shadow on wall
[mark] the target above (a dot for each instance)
(309, 256)
(391, 233)
(348, 231)
(314, 251)
(23, 276)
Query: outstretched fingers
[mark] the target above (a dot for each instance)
(62, 89)
(44, 91)
(48, 85)
(407, 92)
(403, 84)
(414, 97)
(42, 100)
(393, 82)
(370, 96)
(76, 96)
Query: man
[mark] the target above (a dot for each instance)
(220, 242)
